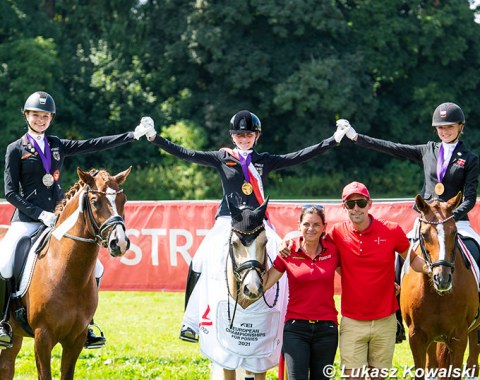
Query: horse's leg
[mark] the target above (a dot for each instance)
(229, 374)
(473, 351)
(43, 345)
(452, 357)
(70, 353)
(431, 362)
(418, 346)
(7, 358)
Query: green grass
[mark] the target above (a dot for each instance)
(142, 333)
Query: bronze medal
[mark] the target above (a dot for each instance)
(247, 189)
(48, 180)
(439, 188)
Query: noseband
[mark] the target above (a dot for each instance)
(246, 267)
(426, 255)
(101, 233)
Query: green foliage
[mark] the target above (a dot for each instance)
(385, 65)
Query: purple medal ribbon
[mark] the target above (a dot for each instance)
(441, 166)
(47, 157)
(244, 162)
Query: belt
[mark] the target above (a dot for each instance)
(312, 321)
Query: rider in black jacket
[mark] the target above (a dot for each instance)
(33, 171)
(247, 185)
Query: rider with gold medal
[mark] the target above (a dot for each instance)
(242, 171)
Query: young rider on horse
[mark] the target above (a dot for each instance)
(33, 167)
(241, 171)
(448, 166)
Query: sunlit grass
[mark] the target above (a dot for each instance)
(142, 332)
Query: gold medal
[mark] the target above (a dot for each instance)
(247, 189)
(439, 188)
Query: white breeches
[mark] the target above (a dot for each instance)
(8, 244)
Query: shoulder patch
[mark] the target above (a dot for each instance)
(230, 163)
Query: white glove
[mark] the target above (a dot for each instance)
(146, 127)
(48, 218)
(349, 131)
(339, 133)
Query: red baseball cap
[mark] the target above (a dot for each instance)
(355, 188)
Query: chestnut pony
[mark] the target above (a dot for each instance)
(440, 310)
(63, 296)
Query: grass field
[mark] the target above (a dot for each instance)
(142, 332)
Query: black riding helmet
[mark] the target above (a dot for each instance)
(40, 101)
(448, 114)
(245, 122)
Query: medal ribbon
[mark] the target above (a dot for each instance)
(244, 162)
(442, 164)
(47, 157)
(253, 177)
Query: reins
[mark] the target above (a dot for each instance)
(98, 231)
(426, 256)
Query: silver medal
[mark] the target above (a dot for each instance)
(48, 180)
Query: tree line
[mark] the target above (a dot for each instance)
(191, 65)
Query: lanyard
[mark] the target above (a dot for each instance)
(47, 157)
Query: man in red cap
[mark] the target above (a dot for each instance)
(367, 249)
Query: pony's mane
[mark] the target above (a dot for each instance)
(76, 187)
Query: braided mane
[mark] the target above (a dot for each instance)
(76, 187)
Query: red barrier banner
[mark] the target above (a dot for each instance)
(164, 236)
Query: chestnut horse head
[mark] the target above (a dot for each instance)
(440, 309)
(246, 264)
(63, 295)
(438, 239)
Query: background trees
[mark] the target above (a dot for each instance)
(191, 65)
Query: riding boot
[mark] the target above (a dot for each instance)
(400, 334)
(93, 340)
(187, 333)
(6, 340)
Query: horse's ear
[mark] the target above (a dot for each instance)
(85, 177)
(263, 208)
(420, 203)
(232, 207)
(121, 177)
(455, 201)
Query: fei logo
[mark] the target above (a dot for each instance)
(206, 321)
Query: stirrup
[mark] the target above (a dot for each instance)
(94, 341)
(187, 334)
(6, 339)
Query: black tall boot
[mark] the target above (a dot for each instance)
(186, 333)
(400, 335)
(6, 340)
(93, 340)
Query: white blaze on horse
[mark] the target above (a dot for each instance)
(441, 311)
(62, 296)
(240, 325)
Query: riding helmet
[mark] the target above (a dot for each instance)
(448, 114)
(40, 101)
(245, 122)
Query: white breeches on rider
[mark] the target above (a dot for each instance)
(8, 244)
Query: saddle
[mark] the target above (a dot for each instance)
(28, 246)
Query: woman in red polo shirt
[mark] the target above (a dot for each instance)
(310, 334)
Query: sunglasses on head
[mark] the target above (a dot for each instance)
(362, 203)
(319, 207)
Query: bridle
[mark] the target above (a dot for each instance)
(426, 255)
(241, 271)
(101, 233)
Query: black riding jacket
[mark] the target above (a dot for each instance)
(24, 171)
(230, 170)
(461, 175)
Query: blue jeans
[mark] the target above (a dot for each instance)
(309, 346)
